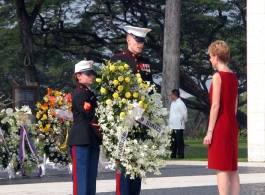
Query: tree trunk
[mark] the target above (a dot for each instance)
(171, 50)
(25, 23)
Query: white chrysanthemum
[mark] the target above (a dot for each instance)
(4, 120)
(9, 111)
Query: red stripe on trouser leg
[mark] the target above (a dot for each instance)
(118, 183)
(74, 171)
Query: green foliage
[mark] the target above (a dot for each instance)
(200, 135)
(67, 31)
(196, 151)
(242, 134)
(4, 103)
(241, 98)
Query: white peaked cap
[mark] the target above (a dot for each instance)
(139, 33)
(85, 67)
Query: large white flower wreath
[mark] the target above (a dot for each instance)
(13, 151)
(132, 119)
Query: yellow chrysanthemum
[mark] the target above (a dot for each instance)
(115, 82)
(57, 93)
(142, 98)
(108, 102)
(98, 80)
(126, 66)
(44, 117)
(141, 104)
(38, 115)
(115, 95)
(120, 87)
(121, 68)
(139, 80)
(122, 114)
(123, 100)
(103, 90)
(138, 75)
(38, 104)
(145, 106)
(60, 102)
(145, 86)
(47, 128)
(45, 98)
(127, 79)
(127, 94)
(40, 126)
(120, 78)
(112, 68)
(135, 94)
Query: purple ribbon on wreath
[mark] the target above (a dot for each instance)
(24, 136)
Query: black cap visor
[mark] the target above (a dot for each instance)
(90, 71)
(139, 39)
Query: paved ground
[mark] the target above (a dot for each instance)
(178, 177)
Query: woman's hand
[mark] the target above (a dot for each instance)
(208, 139)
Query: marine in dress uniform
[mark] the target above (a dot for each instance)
(139, 64)
(84, 137)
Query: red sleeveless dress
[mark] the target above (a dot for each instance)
(223, 151)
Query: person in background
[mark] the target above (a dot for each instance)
(136, 38)
(177, 117)
(222, 134)
(84, 136)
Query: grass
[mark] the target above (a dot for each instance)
(197, 152)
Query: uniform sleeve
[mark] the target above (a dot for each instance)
(86, 104)
(113, 58)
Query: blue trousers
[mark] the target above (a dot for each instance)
(84, 168)
(127, 186)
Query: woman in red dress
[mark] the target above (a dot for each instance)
(222, 134)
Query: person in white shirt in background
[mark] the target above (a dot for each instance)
(177, 118)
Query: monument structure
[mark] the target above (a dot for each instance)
(256, 80)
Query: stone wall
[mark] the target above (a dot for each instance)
(256, 80)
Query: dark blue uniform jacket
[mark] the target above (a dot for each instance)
(85, 129)
(138, 63)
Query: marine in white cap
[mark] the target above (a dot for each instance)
(139, 34)
(85, 67)
(136, 38)
(84, 136)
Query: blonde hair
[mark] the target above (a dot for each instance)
(221, 49)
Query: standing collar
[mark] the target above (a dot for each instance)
(132, 54)
(81, 85)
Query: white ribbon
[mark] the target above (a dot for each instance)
(64, 114)
(151, 125)
(137, 113)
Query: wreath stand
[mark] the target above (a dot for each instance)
(50, 165)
